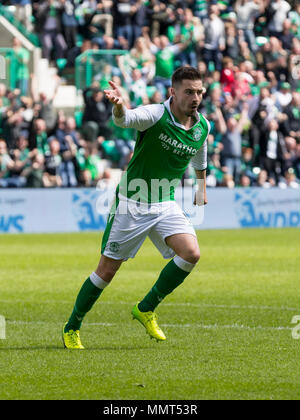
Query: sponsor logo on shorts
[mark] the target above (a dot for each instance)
(114, 247)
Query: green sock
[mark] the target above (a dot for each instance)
(170, 278)
(86, 298)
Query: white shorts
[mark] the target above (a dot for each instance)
(129, 225)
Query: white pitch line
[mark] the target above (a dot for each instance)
(19, 322)
(230, 326)
(187, 304)
(200, 326)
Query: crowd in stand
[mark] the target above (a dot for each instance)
(248, 52)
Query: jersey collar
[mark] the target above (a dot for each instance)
(167, 104)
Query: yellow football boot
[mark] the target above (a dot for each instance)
(71, 339)
(149, 321)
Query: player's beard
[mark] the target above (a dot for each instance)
(192, 111)
(190, 114)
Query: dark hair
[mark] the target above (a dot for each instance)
(185, 73)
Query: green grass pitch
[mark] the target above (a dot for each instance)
(228, 326)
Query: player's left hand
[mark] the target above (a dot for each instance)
(114, 95)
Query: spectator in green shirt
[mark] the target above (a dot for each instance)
(182, 32)
(165, 55)
(89, 163)
(39, 137)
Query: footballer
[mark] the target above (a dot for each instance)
(169, 136)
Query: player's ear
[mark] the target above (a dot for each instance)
(172, 90)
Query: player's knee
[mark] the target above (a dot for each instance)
(108, 274)
(194, 257)
(191, 255)
(107, 268)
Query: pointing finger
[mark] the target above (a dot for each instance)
(112, 84)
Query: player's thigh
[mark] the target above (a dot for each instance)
(126, 230)
(185, 245)
(177, 233)
(108, 267)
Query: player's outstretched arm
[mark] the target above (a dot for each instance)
(140, 118)
(115, 97)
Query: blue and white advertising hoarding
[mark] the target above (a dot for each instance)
(75, 210)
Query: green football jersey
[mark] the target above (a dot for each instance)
(162, 153)
(165, 63)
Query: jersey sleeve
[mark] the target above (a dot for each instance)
(140, 118)
(199, 161)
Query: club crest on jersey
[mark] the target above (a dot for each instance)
(197, 134)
